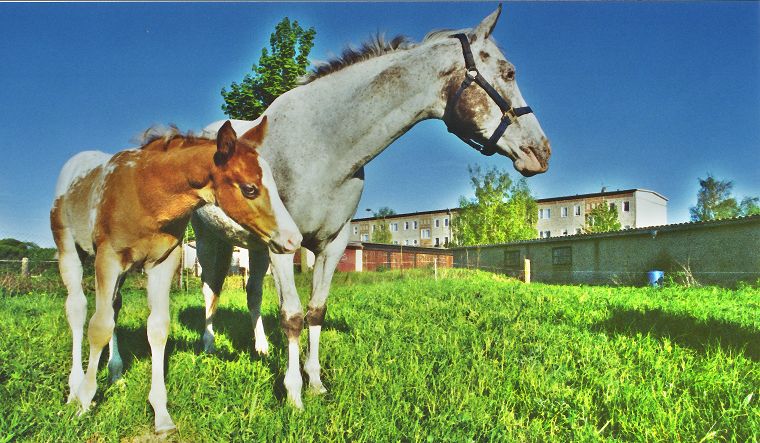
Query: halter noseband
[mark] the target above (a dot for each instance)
(509, 114)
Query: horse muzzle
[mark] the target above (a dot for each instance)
(285, 241)
(532, 159)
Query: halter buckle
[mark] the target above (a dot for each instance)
(511, 115)
(471, 74)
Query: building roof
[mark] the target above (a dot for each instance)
(408, 214)
(598, 194)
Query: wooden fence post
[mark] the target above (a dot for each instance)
(526, 270)
(25, 267)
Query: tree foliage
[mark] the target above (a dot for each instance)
(602, 218)
(502, 210)
(382, 234)
(277, 72)
(714, 201)
(12, 249)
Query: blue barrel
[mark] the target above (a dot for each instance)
(655, 278)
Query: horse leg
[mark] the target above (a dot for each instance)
(115, 364)
(108, 270)
(70, 268)
(324, 268)
(159, 284)
(258, 262)
(291, 319)
(214, 256)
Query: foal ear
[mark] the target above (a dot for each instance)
(485, 28)
(256, 135)
(226, 139)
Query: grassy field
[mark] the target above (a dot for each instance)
(470, 357)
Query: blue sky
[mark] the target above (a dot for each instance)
(632, 94)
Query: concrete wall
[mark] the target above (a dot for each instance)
(720, 252)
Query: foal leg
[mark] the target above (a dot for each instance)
(108, 270)
(215, 256)
(324, 268)
(70, 268)
(258, 262)
(115, 364)
(159, 284)
(291, 319)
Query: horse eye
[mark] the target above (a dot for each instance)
(249, 190)
(511, 74)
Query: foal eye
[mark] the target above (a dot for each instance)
(249, 190)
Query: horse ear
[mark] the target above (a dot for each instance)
(226, 139)
(256, 135)
(485, 28)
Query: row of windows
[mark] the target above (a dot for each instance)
(546, 213)
(407, 225)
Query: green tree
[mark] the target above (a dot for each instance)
(277, 72)
(602, 218)
(714, 200)
(749, 206)
(382, 234)
(502, 210)
(12, 249)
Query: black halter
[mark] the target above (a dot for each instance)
(509, 114)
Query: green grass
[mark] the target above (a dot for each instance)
(470, 357)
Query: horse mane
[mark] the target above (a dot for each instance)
(374, 47)
(162, 138)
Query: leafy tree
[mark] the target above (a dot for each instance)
(189, 233)
(714, 200)
(382, 234)
(12, 249)
(277, 72)
(749, 206)
(602, 218)
(502, 210)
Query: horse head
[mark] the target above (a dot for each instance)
(245, 189)
(485, 107)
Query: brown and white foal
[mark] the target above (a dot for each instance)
(130, 210)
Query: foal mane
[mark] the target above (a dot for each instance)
(374, 47)
(161, 138)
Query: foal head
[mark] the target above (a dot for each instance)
(246, 191)
(476, 116)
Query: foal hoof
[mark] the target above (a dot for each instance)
(261, 348)
(165, 430)
(317, 389)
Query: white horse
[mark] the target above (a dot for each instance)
(321, 135)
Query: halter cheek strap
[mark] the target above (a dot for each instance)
(509, 114)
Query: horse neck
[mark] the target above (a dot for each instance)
(370, 104)
(174, 183)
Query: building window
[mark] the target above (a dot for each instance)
(446, 222)
(627, 227)
(563, 212)
(365, 237)
(445, 241)
(544, 213)
(511, 259)
(626, 206)
(577, 209)
(437, 242)
(414, 224)
(356, 230)
(414, 241)
(395, 242)
(612, 205)
(425, 233)
(562, 256)
(578, 230)
(406, 226)
(545, 234)
(394, 227)
(564, 232)
(406, 242)
(437, 222)
(373, 228)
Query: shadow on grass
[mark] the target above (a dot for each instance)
(684, 331)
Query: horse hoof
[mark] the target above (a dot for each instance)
(317, 389)
(166, 429)
(296, 403)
